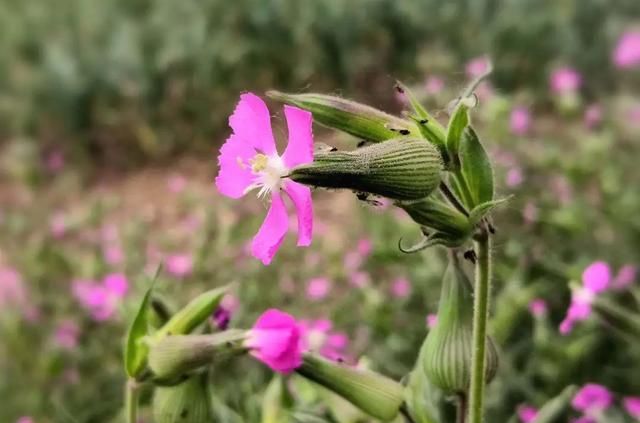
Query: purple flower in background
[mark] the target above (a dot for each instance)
(625, 277)
(431, 320)
(520, 121)
(595, 280)
(514, 177)
(318, 288)
(275, 339)
(319, 336)
(527, 413)
(596, 277)
(221, 318)
(627, 52)
(565, 80)
(592, 398)
(593, 115)
(401, 287)
(66, 334)
(632, 405)
(179, 265)
(434, 84)
(538, 307)
(101, 298)
(477, 66)
(54, 161)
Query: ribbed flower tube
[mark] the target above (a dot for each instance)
(445, 356)
(187, 402)
(399, 169)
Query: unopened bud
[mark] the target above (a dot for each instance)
(187, 402)
(353, 118)
(400, 169)
(174, 356)
(371, 392)
(445, 356)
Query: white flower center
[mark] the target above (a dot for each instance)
(268, 171)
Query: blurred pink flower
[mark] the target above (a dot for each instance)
(25, 419)
(595, 280)
(477, 66)
(593, 115)
(592, 398)
(538, 307)
(112, 254)
(179, 265)
(365, 246)
(66, 334)
(275, 339)
(318, 288)
(359, 279)
(352, 260)
(176, 183)
(561, 188)
(484, 91)
(627, 52)
(230, 302)
(596, 277)
(54, 161)
(625, 277)
(432, 320)
(101, 299)
(57, 225)
(249, 160)
(514, 177)
(527, 413)
(520, 121)
(12, 289)
(530, 213)
(400, 287)
(632, 405)
(434, 84)
(319, 336)
(565, 80)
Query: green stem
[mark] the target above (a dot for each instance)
(131, 400)
(480, 317)
(461, 411)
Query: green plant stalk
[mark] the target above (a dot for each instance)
(132, 391)
(480, 317)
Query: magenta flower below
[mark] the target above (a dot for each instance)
(477, 66)
(249, 161)
(318, 288)
(520, 121)
(592, 398)
(179, 265)
(565, 80)
(596, 277)
(431, 320)
(527, 413)
(101, 299)
(275, 339)
(632, 406)
(319, 336)
(538, 307)
(400, 287)
(627, 52)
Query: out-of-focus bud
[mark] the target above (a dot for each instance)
(187, 402)
(356, 119)
(173, 356)
(193, 314)
(373, 393)
(400, 169)
(445, 356)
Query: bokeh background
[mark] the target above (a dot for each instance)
(111, 114)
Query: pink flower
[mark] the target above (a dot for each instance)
(359, 279)
(477, 66)
(66, 334)
(625, 277)
(632, 405)
(514, 177)
(12, 289)
(596, 277)
(101, 299)
(434, 84)
(538, 307)
(593, 115)
(318, 288)
(592, 398)
(318, 335)
(176, 183)
(401, 287)
(432, 320)
(627, 52)
(527, 413)
(25, 419)
(520, 121)
(275, 339)
(179, 265)
(249, 160)
(565, 80)
(54, 161)
(530, 213)
(364, 247)
(113, 254)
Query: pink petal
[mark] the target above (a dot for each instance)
(596, 276)
(251, 123)
(300, 147)
(234, 174)
(272, 232)
(301, 197)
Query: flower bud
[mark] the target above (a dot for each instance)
(445, 356)
(400, 169)
(357, 119)
(187, 402)
(373, 393)
(174, 356)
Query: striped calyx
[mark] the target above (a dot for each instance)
(445, 356)
(399, 169)
(186, 402)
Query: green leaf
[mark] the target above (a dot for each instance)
(550, 412)
(429, 127)
(481, 210)
(458, 122)
(476, 168)
(136, 350)
(422, 398)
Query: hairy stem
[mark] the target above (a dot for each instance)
(131, 401)
(480, 317)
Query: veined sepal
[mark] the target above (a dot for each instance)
(399, 169)
(373, 393)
